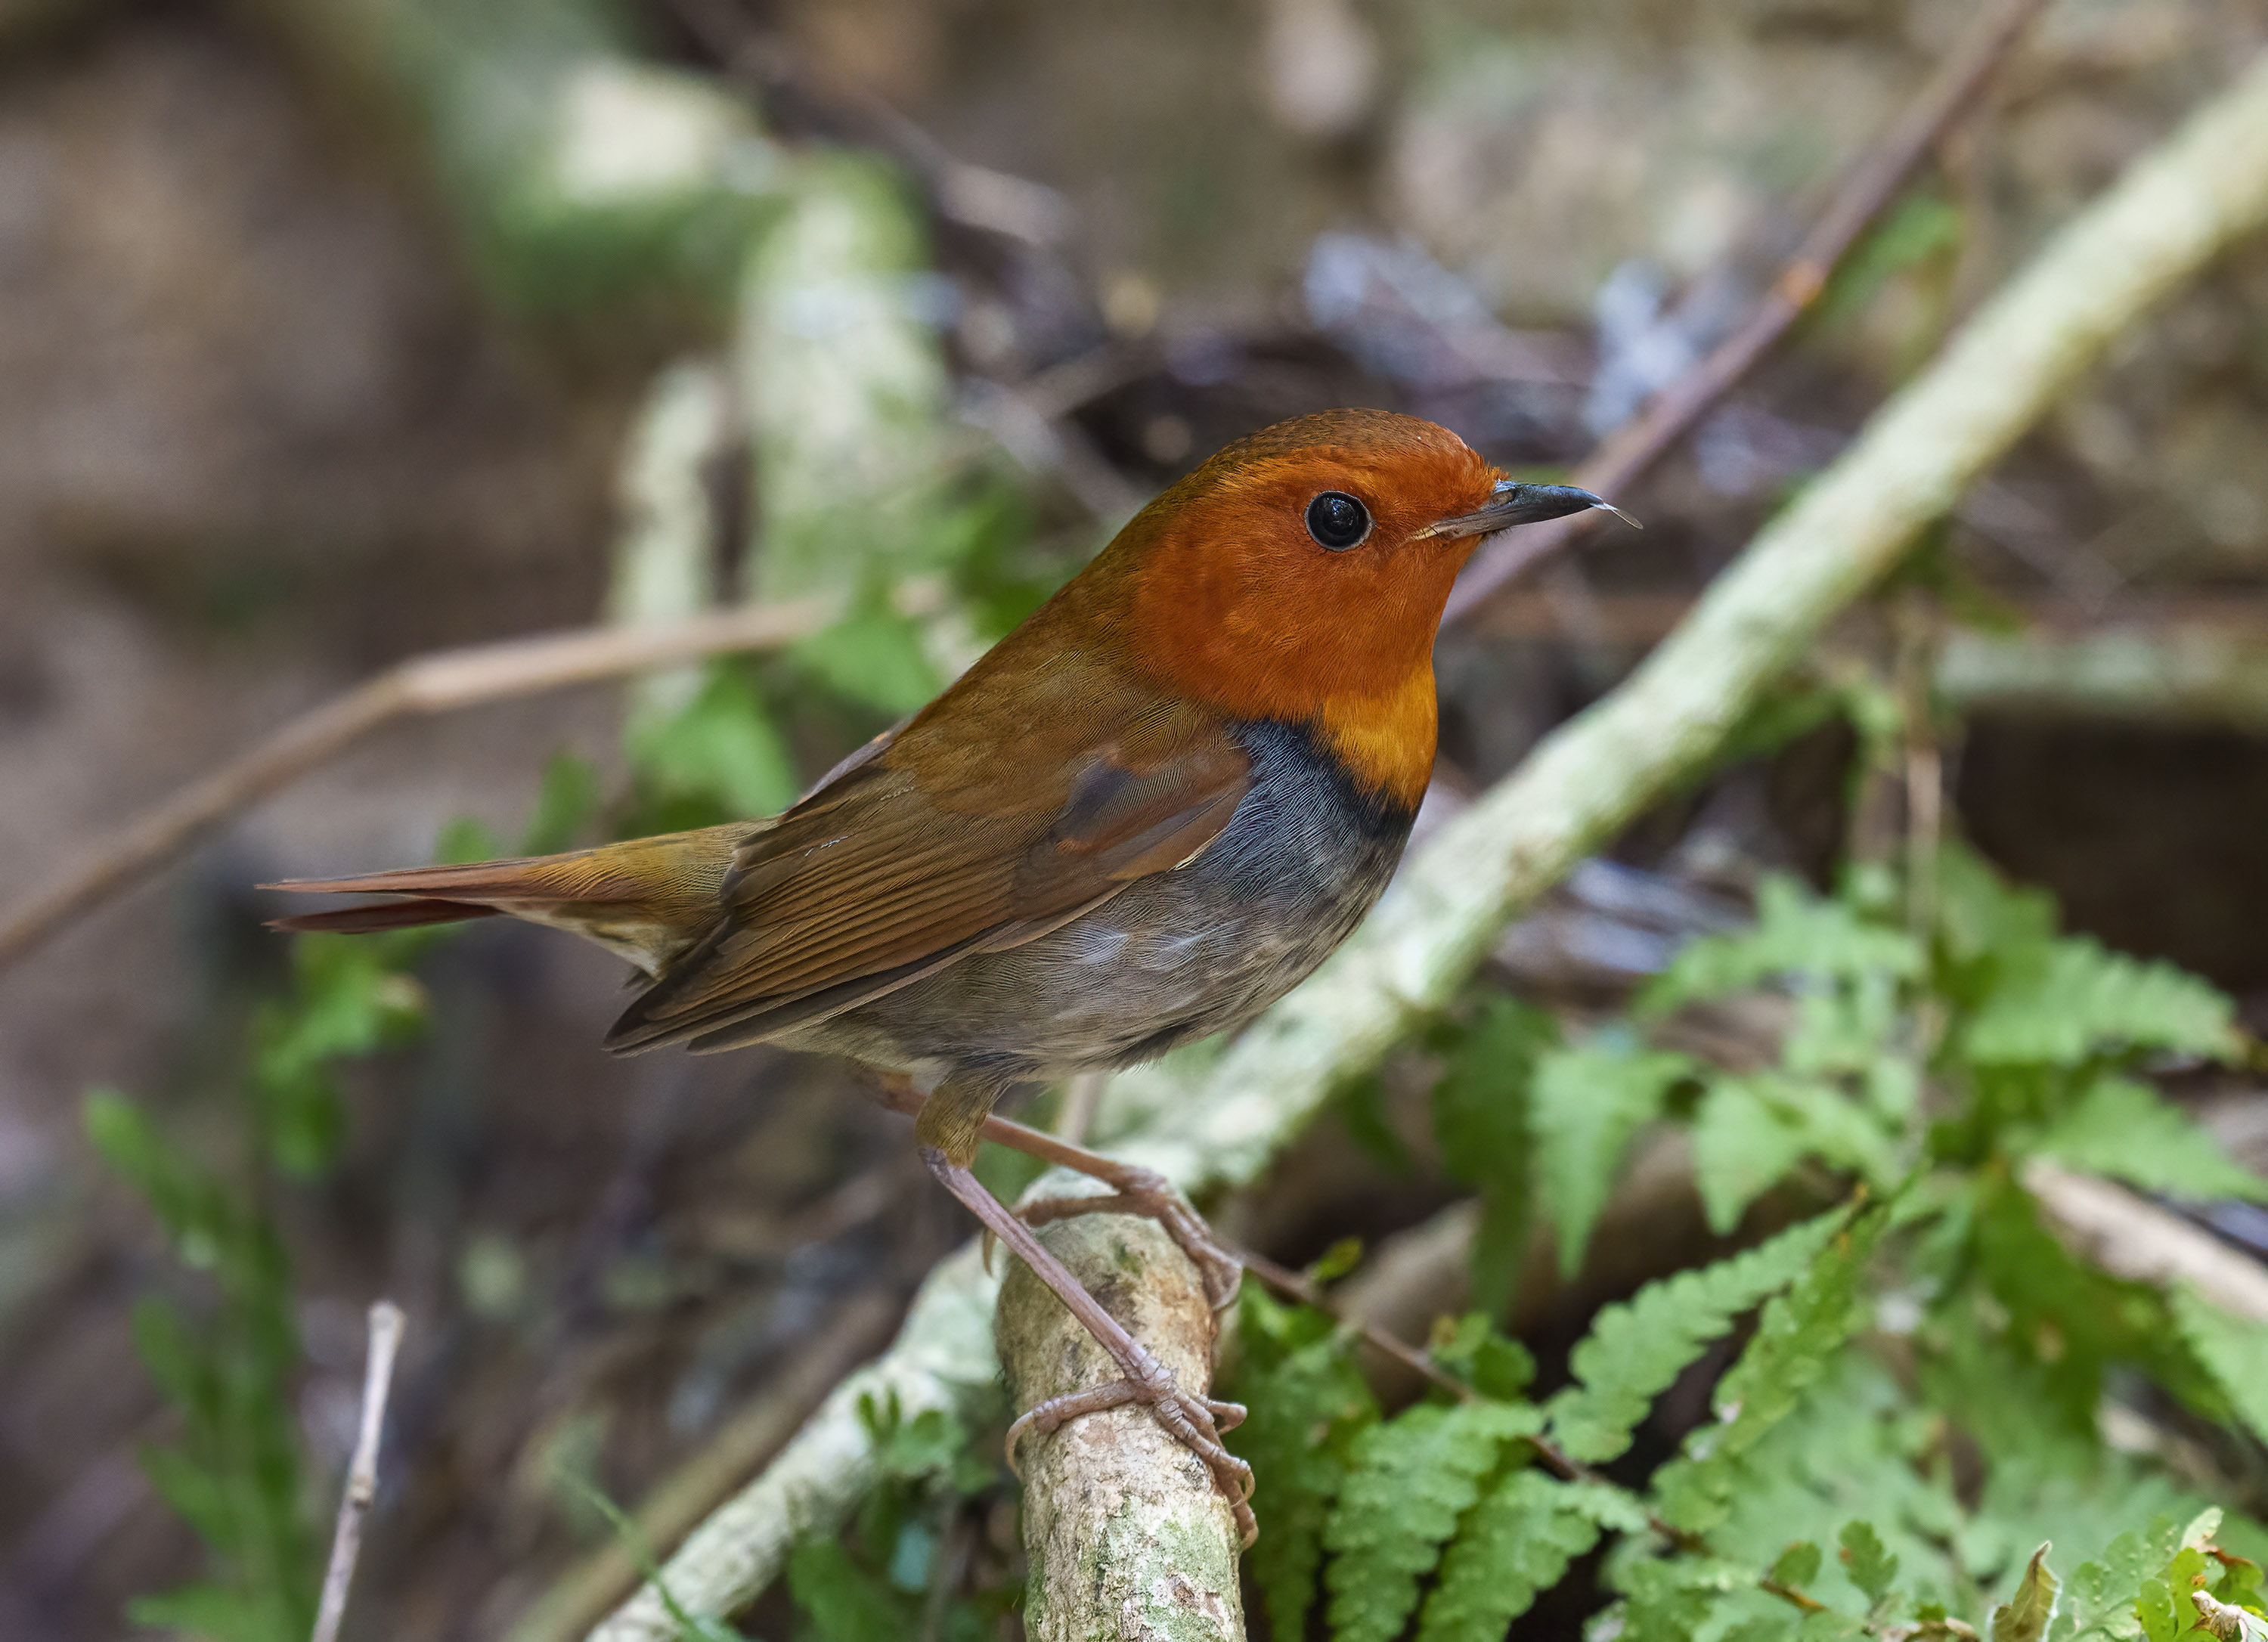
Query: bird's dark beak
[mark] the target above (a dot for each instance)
(1518, 504)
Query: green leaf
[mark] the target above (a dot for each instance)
(1588, 1102)
(1516, 1543)
(2024, 1616)
(846, 1602)
(1636, 1349)
(1798, 1566)
(874, 655)
(2083, 1000)
(1475, 1352)
(1798, 1334)
(721, 747)
(1750, 1131)
(1869, 1561)
(2104, 1594)
(2235, 1349)
(1796, 934)
(1406, 1486)
(2127, 1130)
(563, 806)
(1307, 1402)
(1481, 1124)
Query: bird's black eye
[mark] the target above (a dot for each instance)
(1338, 520)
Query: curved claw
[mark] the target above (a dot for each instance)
(1195, 1423)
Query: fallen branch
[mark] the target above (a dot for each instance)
(443, 681)
(2132, 1238)
(1127, 1535)
(362, 1475)
(1871, 184)
(1221, 1124)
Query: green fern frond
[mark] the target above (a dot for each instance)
(1587, 1103)
(1408, 1482)
(1307, 1402)
(1636, 1348)
(1799, 1334)
(1796, 934)
(1750, 1131)
(2233, 1349)
(1481, 1124)
(2127, 1130)
(2082, 1000)
(1515, 1544)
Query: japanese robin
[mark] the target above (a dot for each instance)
(1143, 816)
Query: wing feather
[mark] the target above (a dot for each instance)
(964, 834)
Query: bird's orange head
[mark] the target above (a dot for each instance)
(1300, 573)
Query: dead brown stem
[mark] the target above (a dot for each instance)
(440, 682)
(1868, 189)
(362, 1474)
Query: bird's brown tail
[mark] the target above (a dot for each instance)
(647, 899)
(382, 915)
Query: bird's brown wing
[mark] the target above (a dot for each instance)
(956, 837)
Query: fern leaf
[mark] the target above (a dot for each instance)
(1799, 1334)
(1751, 1130)
(1305, 1412)
(1481, 1123)
(2127, 1130)
(1408, 1482)
(1516, 1544)
(2233, 1349)
(1636, 1348)
(1588, 1102)
(1796, 934)
(2084, 1000)
(1869, 1562)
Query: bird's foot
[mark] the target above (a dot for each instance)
(1195, 1423)
(1138, 1191)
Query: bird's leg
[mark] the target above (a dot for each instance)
(1134, 1189)
(1195, 1423)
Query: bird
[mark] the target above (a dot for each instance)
(1142, 817)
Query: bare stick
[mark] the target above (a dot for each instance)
(1869, 187)
(361, 1476)
(440, 682)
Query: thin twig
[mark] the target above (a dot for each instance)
(361, 1476)
(1307, 1292)
(1868, 189)
(440, 682)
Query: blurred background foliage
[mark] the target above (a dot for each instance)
(337, 330)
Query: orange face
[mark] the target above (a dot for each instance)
(1244, 596)
(1301, 575)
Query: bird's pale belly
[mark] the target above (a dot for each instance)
(1174, 957)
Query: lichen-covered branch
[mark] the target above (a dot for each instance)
(1126, 1533)
(2170, 214)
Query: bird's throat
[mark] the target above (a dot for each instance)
(1385, 743)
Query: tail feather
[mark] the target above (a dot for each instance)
(648, 899)
(383, 915)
